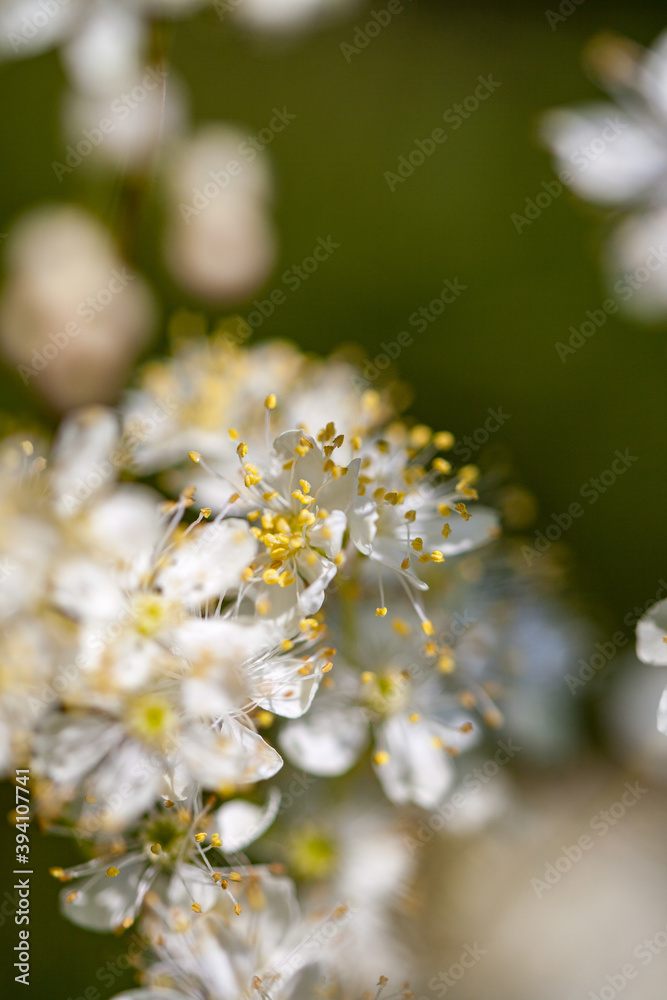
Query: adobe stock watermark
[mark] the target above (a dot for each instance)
(7, 568)
(85, 311)
(625, 288)
(297, 787)
(447, 980)
(32, 23)
(471, 443)
(606, 651)
(420, 319)
(113, 969)
(120, 110)
(600, 825)
(364, 34)
(591, 491)
(311, 946)
(581, 159)
(238, 329)
(473, 782)
(565, 9)
(454, 117)
(457, 626)
(247, 150)
(646, 951)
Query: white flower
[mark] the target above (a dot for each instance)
(416, 724)
(172, 858)
(355, 852)
(409, 513)
(282, 15)
(135, 630)
(72, 317)
(212, 384)
(652, 648)
(219, 242)
(265, 947)
(140, 113)
(299, 520)
(101, 39)
(615, 154)
(118, 767)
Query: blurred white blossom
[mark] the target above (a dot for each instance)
(615, 155)
(219, 242)
(73, 316)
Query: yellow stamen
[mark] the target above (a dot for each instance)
(443, 440)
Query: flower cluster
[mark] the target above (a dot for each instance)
(151, 647)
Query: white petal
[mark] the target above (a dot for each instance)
(176, 783)
(416, 771)
(639, 242)
(285, 15)
(126, 523)
(662, 713)
(224, 642)
(13, 17)
(87, 592)
(340, 493)
(317, 571)
(72, 745)
(124, 785)
(239, 823)
(327, 743)
(283, 691)
(104, 56)
(207, 698)
(651, 635)
(289, 604)
(209, 562)
(610, 158)
(82, 456)
(653, 75)
(103, 902)
(362, 520)
(482, 527)
(236, 755)
(191, 883)
(270, 926)
(391, 552)
(309, 466)
(327, 534)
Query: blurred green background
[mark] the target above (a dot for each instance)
(493, 347)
